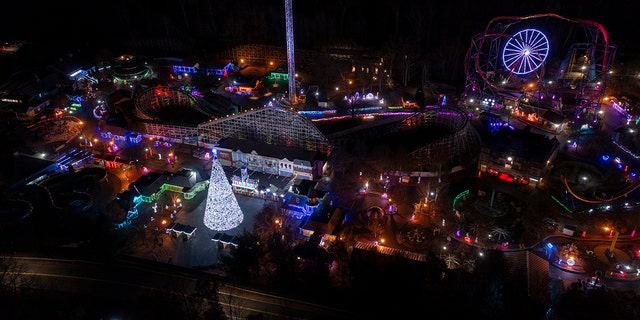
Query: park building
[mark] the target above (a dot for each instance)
(271, 159)
(517, 156)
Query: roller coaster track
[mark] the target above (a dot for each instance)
(479, 61)
(603, 197)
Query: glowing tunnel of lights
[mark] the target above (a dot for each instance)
(525, 51)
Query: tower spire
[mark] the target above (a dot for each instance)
(291, 61)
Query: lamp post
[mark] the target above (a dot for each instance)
(610, 252)
(351, 98)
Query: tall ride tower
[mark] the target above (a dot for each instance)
(291, 61)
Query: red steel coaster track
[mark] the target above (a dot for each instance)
(603, 197)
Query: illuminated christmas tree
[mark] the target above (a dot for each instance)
(222, 211)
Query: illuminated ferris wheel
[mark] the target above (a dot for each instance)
(512, 53)
(525, 52)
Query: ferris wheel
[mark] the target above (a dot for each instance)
(503, 61)
(512, 53)
(525, 52)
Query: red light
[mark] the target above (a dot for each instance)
(505, 177)
(524, 181)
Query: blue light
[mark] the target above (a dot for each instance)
(549, 245)
(605, 157)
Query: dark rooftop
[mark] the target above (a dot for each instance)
(269, 150)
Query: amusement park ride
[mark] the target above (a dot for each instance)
(602, 197)
(516, 65)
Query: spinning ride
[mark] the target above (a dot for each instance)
(513, 60)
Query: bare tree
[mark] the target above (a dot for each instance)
(13, 276)
(469, 264)
(339, 271)
(203, 302)
(233, 304)
(266, 221)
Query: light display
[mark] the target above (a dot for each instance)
(291, 61)
(525, 51)
(222, 211)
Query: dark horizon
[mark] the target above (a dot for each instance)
(434, 34)
(317, 24)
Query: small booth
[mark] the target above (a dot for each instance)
(225, 239)
(177, 229)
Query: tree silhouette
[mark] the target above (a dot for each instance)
(241, 264)
(204, 302)
(13, 277)
(489, 281)
(264, 223)
(339, 271)
(314, 263)
(234, 305)
(277, 235)
(469, 264)
(599, 303)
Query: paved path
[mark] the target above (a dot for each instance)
(198, 251)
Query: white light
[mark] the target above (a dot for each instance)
(222, 211)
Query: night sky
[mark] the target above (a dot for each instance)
(317, 22)
(437, 30)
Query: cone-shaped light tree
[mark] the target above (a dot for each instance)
(222, 211)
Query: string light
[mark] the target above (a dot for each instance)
(222, 211)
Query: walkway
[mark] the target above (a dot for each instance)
(620, 266)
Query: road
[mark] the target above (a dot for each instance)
(132, 279)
